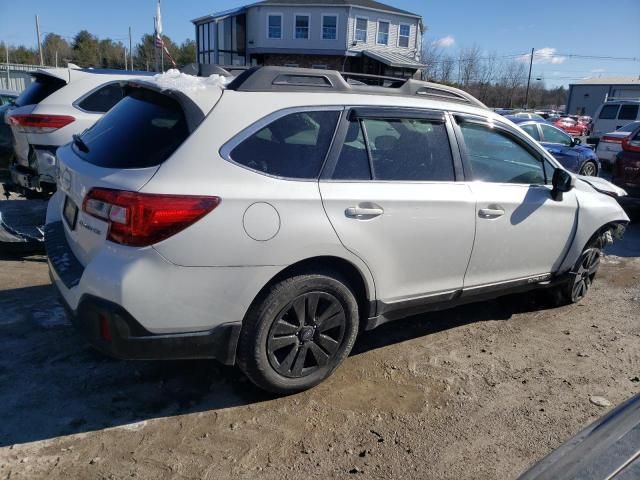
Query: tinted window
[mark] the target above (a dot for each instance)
(609, 112)
(142, 130)
(353, 163)
(628, 112)
(532, 130)
(40, 88)
(497, 157)
(409, 149)
(554, 135)
(293, 146)
(103, 99)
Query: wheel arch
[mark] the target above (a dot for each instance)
(360, 282)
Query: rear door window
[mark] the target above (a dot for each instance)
(395, 149)
(41, 87)
(142, 130)
(103, 99)
(293, 146)
(609, 112)
(628, 112)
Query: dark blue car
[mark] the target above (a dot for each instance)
(569, 151)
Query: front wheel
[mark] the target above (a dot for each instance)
(589, 169)
(581, 276)
(297, 334)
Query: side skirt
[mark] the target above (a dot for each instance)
(388, 312)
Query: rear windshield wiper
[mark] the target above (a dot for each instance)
(78, 142)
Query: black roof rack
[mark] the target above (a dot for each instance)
(288, 79)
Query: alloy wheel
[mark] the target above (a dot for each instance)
(589, 169)
(306, 335)
(585, 273)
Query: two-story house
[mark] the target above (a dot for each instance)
(360, 36)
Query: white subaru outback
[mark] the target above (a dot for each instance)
(266, 222)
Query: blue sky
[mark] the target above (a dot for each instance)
(507, 27)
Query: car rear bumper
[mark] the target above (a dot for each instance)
(113, 331)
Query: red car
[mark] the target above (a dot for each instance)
(626, 171)
(571, 126)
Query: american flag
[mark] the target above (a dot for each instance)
(159, 42)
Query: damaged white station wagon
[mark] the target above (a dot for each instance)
(267, 222)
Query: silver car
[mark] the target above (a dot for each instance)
(266, 222)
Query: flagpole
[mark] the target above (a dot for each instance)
(155, 45)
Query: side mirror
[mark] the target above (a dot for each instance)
(575, 141)
(562, 182)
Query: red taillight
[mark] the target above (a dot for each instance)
(36, 123)
(607, 138)
(141, 219)
(631, 145)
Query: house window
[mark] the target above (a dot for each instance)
(361, 30)
(383, 33)
(302, 26)
(274, 26)
(403, 35)
(329, 27)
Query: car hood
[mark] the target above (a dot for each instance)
(602, 185)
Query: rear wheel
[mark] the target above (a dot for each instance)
(589, 169)
(298, 333)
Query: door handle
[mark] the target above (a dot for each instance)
(494, 212)
(363, 213)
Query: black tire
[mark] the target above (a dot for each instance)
(582, 274)
(589, 169)
(298, 332)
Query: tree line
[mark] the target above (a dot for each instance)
(87, 50)
(494, 80)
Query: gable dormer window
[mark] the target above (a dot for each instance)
(383, 33)
(302, 26)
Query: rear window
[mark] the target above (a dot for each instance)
(40, 88)
(142, 130)
(629, 127)
(628, 112)
(609, 112)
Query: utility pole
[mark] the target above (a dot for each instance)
(6, 47)
(526, 97)
(56, 58)
(125, 57)
(130, 51)
(39, 43)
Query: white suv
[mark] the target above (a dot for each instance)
(59, 103)
(267, 222)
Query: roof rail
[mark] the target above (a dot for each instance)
(289, 79)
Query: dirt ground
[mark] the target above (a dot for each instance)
(479, 392)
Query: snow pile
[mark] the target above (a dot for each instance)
(175, 80)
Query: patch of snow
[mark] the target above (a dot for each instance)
(175, 80)
(52, 318)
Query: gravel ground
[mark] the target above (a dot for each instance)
(482, 391)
